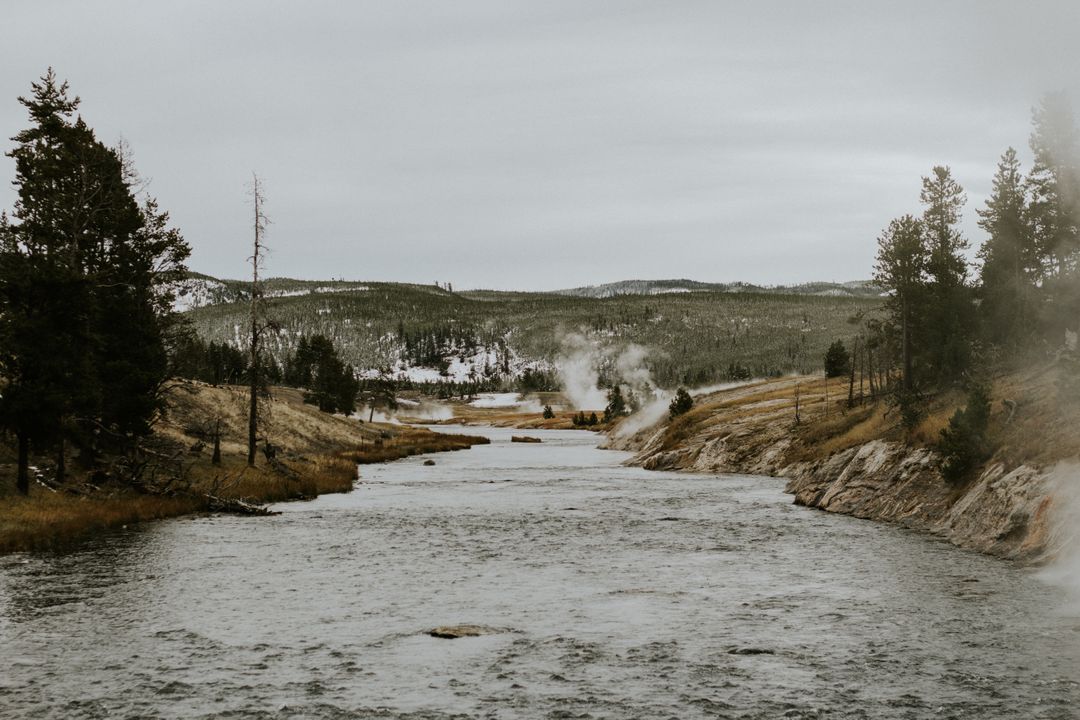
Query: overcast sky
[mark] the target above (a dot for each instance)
(547, 144)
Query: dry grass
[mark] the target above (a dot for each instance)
(1042, 429)
(1040, 432)
(46, 519)
(234, 480)
(822, 436)
(414, 441)
(320, 452)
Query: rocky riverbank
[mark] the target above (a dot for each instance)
(854, 461)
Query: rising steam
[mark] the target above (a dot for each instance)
(578, 365)
(1064, 545)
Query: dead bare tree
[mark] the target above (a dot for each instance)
(797, 418)
(851, 379)
(257, 326)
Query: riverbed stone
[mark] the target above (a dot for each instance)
(453, 632)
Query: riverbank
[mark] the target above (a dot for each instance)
(314, 454)
(856, 461)
(509, 410)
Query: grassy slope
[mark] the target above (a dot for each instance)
(1039, 433)
(322, 450)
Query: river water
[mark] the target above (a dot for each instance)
(615, 593)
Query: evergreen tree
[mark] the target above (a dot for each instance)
(1009, 261)
(85, 305)
(680, 404)
(963, 443)
(901, 265)
(1054, 212)
(1054, 186)
(837, 360)
(616, 406)
(948, 312)
(330, 383)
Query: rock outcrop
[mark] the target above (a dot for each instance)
(1004, 511)
(1001, 513)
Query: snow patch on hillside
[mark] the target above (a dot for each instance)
(192, 293)
(316, 290)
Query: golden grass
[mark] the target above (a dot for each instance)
(321, 451)
(46, 519)
(413, 441)
(821, 437)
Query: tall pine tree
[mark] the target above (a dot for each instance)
(85, 272)
(948, 322)
(1009, 260)
(901, 268)
(1054, 185)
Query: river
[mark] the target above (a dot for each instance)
(614, 593)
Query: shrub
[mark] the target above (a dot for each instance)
(548, 412)
(681, 404)
(963, 443)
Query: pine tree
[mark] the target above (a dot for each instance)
(330, 383)
(1009, 261)
(1054, 186)
(1053, 212)
(901, 267)
(837, 360)
(616, 406)
(680, 404)
(85, 309)
(948, 314)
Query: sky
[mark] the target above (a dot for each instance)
(548, 144)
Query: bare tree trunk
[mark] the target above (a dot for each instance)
(216, 457)
(906, 342)
(61, 467)
(256, 292)
(22, 481)
(862, 370)
(851, 382)
(797, 418)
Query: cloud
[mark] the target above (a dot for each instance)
(423, 141)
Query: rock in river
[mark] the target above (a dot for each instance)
(452, 632)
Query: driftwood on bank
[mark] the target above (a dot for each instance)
(237, 507)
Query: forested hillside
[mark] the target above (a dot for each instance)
(431, 334)
(857, 288)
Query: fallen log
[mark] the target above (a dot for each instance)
(524, 439)
(237, 507)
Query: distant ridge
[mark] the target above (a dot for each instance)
(855, 288)
(200, 290)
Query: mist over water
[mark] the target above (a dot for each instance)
(1064, 547)
(611, 592)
